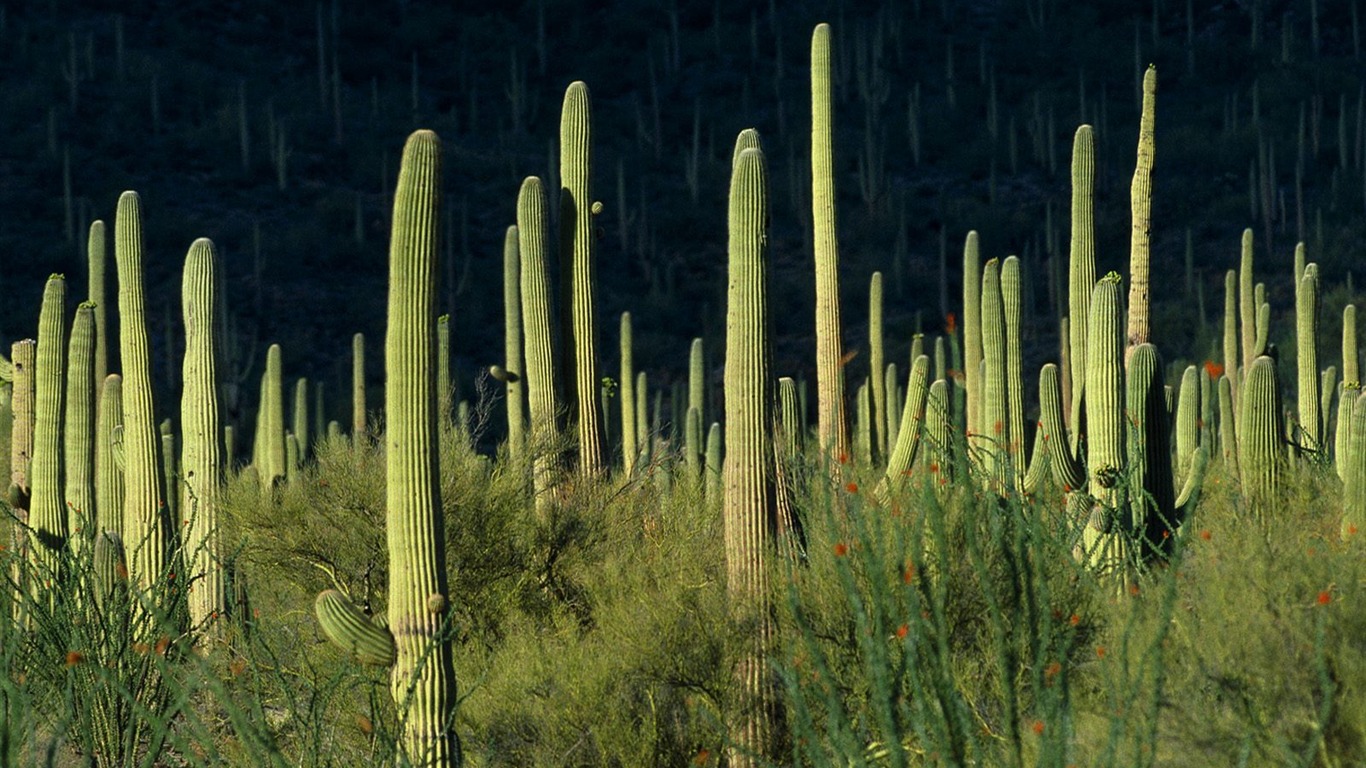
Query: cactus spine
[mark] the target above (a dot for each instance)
(512, 344)
(577, 254)
(201, 461)
(423, 681)
(79, 437)
(47, 512)
(144, 531)
(1141, 205)
(831, 420)
(748, 470)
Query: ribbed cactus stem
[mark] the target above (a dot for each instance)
(789, 420)
(1081, 279)
(972, 333)
(170, 472)
(22, 396)
(270, 431)
(445, 386)
(1069, 473)
(1151, 492)
(1261, 453)
(201, 461)
(96, 258)
(543, 405)
(79, 430)
(938, 434)
(423, 681)
(711, 487)
(877, 366)
(994, 441)
(1354, 482)
(144, 531)
(1350, 372)
(912, 421)
(1307, 360)
(644, 441)
(749, 507)
(577, 257)
(1011, 300)
(692, 443)
(630, 433)
(831, 420)
(1232, 363)
(109, 488)
(512, 344)
(299, 421)
(697, 382)
(863, 427)
(1228, 424)
(1188, 409)
(1247, 306)
(47, 512)
(1141, 207)
(893, 414)
(358, 407)
(1104, 544)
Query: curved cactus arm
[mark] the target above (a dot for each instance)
(6, 369)
(912, 416)
(1188, 408)
(1067, 470)
(1038, 464)
(1190, 491)
(347, 627)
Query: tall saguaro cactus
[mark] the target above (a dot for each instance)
(543, 402)
(750, 495)
(201, 462)
(1141, 204)
(358, 413)
(47, 512)
(79, 438)
(145, 535)
(577, 256)
(512, 344)
(95, 257)
(832, 425)
(423, 681)
(1307, 360)
(1081, 279)
(630, 435)
(109, 489)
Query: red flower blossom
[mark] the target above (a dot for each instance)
(1205, 534)
(1214, 369)
(851, 487)
(73, 658)
(902, 630)
(1325, 597)
(1038, 727)
(841, 549)
(950, 323)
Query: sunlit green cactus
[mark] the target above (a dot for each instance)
(515, 387)
(47, 513)
(578, 260)
(1141, 206)
(145, 534)
(359, 415)
(1307, 395)
(109, 487)
(201, 461)
(900, 460)
(877, 367)
(630, 440)
(268, 454)
(832, 425)
(79, 430)
(1354, 467)
(350, 629)
(538, 337)
(1261, 436)
(749, 507)
(1188, 408)
(95, 251)
(1081, 278)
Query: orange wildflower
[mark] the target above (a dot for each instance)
(364, 724)
(851, 487)
(902, 630)
(908, 575)
(1325, 597)
(1038, 727)
(1100, 651)
(1074, 620)
(1214, 369)
(950, 323)
(73, 658)
(162, 644)
(841, 549)
(1052, 670)
(1205, 534)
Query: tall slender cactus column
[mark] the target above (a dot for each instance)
(578, 257)
(201, 462)
(832, 424)
(145, 533)
(1141, 205)
(748, 467)
(423, 681)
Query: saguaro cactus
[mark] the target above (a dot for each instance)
(512, 344)
(79, 438)
(358, 413)
(95, 257)
(541, 364)
(577, 255)
(201, 460)
(877, 373)
(832, 425)
(144, 529)
(630, 448)
(1141, 205)
(1311, 436)
(1261, 436)
(269, 453)
(47, 513)
(1081, 279)
(109, 490)
(748, 468)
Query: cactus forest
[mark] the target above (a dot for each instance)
(844, 384)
